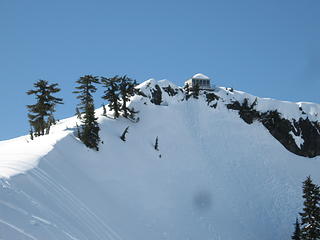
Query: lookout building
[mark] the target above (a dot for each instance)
(199, 79)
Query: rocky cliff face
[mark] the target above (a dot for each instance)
(284, 130)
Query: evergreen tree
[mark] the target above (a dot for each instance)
(31, 134)
(156, 145)
(104, 113)
(89, 133)
(51, 120)
(135, 83)
(41, 113)
(296, 234)
(195, 91)
(310, 217)
(187, 90)
(126, 88)
(123, 136)
(112, 94)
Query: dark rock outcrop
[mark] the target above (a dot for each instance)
(171, 92)
(283, 129)
(246, 110)
(156, 95)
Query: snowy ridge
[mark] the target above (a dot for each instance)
(21, 154)
(212, 171)
(289, 110)
(295, 125)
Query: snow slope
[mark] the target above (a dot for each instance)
(214, 177)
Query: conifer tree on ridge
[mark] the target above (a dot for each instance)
(41, 113)
(112, 94)
(195, 90)
(89, 133)
(126, 88)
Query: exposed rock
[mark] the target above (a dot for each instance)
(156, 95)
(280, 128)
(246, 111)
(171, 92)
(211, 97)
(310, 132)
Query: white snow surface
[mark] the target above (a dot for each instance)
(214, 176)
(298, 139)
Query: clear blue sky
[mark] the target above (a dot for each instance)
(268, 48)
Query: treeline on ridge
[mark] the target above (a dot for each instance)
(118, 90)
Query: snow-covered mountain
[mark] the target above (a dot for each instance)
(229, 166)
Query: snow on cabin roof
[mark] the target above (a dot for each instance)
(200, 76)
